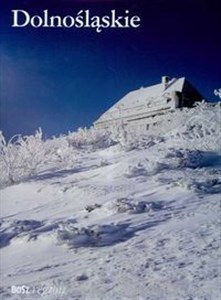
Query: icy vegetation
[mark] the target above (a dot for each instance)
(114, 215)
(25, 156)
(217, 93)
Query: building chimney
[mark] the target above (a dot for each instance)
(165, 80)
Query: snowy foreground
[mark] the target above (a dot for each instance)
(138, 222)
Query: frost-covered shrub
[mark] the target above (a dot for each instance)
(76, 237)
(136, 170)
(90, 208)
(209, 186)
(202, 181)
(94, 235)
(91, 138)
(190, 128)
(62, 155)
(191, 159)
(25, 156)
(146, 167)
(178, 158)
(21, 156)
(127, 205)
(141, 141)
(195, 128)
(123, 205)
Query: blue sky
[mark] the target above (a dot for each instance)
(62, 79)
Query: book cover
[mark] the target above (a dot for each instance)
(110, 149)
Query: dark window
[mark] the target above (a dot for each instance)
(168, 100)
(148, 126)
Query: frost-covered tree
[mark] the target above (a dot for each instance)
(217, 92)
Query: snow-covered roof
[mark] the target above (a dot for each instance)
(142, 97)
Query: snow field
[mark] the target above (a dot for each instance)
(125, 221)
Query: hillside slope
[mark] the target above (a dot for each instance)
(139, 219)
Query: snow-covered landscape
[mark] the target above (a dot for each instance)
(114, 215)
